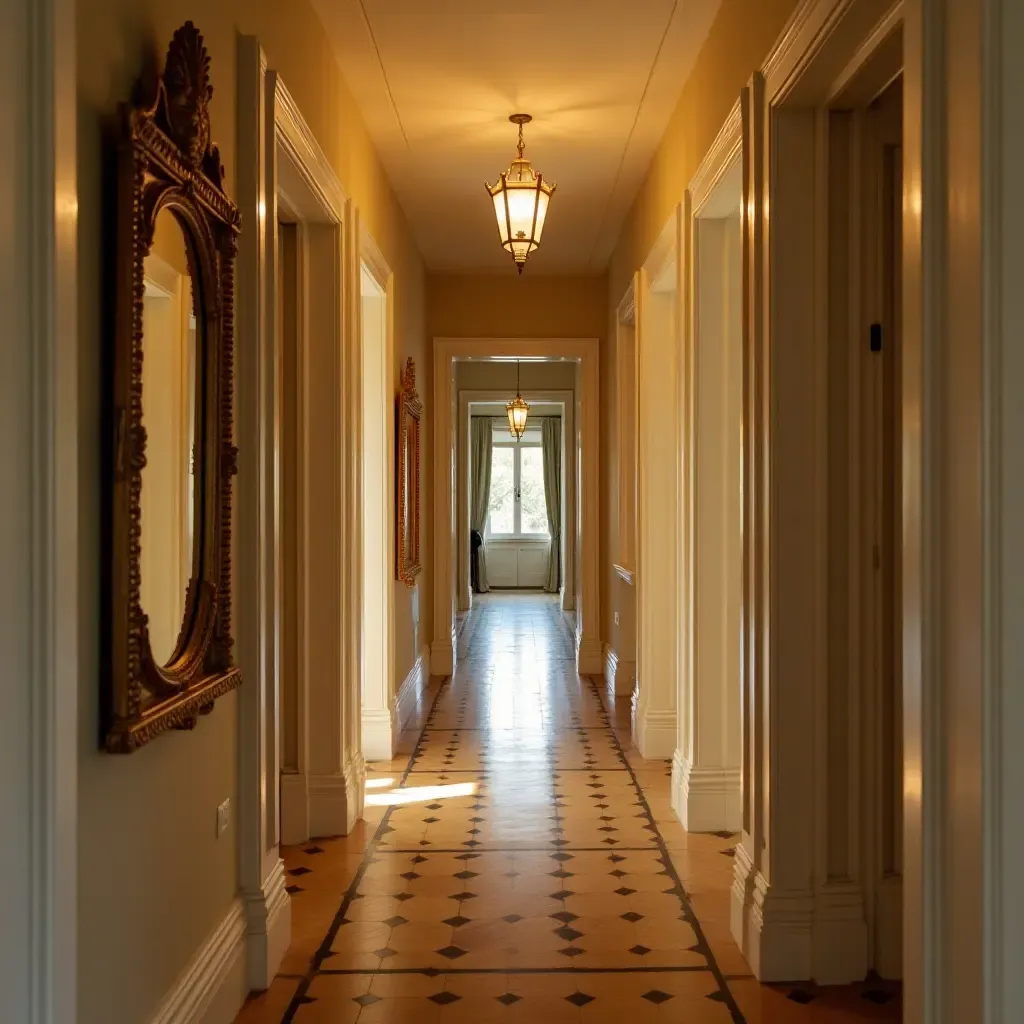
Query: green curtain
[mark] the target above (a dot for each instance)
(551, 436)
(480, 482)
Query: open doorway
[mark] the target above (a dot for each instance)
(517, 497)
(380, 724)
(706, 768)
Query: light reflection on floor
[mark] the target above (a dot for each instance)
(534, 871)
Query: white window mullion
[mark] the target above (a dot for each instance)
(517, 485)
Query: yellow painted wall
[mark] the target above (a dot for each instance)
(509, 306)
(154, 880)
(741, 37)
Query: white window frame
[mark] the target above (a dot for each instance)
(517, 525)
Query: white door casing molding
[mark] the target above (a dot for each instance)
(706, 764)
(380, 720)
(584, 351)
(465, 398)
(39, 528)
(658, 333)
(278, 156)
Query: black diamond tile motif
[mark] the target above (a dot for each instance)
(580, 999)
(430, 821)
(419, 859)
(367, 999)
(632, 916)
(394, 922)
(723, 835)
(403, 896)
(409, 876)
(560, 873)
(508, 998)
(293, 889)
(656, 996)
(606, 817)
(464, 896)
(625, 891)
(615, 858)
(467, 856)
(384, 953)
(466, 874)
(451, 952)
(617, 873)
(563, 894)
(565, 916)
(296, 872)
(313, 850)
(477, 820)
(434, 807)
(639, 950)
(610, 841)
(512, 918)
(444, 998)
(568, 933)
(562, 856)
(571, 951)
(456, 922)
(471, 842)
(800, 995)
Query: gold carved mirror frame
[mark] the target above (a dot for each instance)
(166, 162)
(408, 491)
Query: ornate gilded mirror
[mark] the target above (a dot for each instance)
(408, 490)
(172, 456)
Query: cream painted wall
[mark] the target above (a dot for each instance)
(742, 34)
(154, 881)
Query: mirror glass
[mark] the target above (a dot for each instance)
(409, 484)
(169, 415)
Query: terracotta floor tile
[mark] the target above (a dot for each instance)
(520, 861)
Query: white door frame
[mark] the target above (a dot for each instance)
(706, 764)
(278, 154)
(380, 713)
(468, 397)
(585, 352)
(39, 598)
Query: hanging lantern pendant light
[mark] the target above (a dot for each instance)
(520, 200)
(517, 411)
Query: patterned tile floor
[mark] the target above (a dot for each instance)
(524, 863)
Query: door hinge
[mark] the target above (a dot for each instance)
(876, 337)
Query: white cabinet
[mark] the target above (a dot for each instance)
(517, 563)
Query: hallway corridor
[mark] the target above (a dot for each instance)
(524, 864)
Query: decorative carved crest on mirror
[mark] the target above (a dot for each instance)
(408, 491)
(168, 524)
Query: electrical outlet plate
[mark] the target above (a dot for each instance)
(223, 817)
(616, 618)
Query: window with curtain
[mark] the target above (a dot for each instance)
(517, 508)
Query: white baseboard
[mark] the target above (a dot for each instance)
(268, 929)
(589, 656)
(654, 733)
(410, 693)
(797, 935)
(294, 808)
(443, 657)
(213, 987)
(335, 802)
(380, 732)
(839, 936)
(706, 799)
(382, 728)
(619, 675)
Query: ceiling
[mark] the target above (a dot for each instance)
(436, 82)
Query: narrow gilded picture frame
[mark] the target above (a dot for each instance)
(407, 491)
